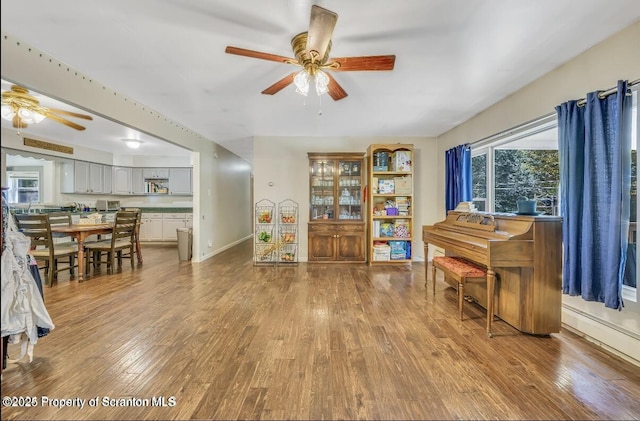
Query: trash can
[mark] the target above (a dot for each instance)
(185, 243)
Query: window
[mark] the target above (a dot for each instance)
(524, 163)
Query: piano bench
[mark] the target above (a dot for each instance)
(462, 271)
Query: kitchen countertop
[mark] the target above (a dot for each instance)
(93, 210)
(166, 210)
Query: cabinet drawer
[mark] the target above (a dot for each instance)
(151, 216)
(322, 227)
(351, 228)
(174, 216)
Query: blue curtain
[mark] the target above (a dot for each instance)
(458, 176)
(594, 143)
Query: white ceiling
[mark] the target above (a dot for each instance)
(454, 58)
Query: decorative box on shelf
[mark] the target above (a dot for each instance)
(386, 187)
(401, 161)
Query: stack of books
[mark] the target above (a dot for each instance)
(381, 252)
(403, 204)
(466, 207)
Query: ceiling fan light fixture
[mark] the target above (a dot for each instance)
(8, 112)
(322, 82)
(133, 143)
(301, 80)
(29, 116)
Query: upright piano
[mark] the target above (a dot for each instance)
(522, 253)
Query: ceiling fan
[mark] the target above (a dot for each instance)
(311, 50)
(23, 109)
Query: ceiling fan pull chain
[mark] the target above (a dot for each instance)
(320, 105)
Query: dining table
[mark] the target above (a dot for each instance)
(81, 232)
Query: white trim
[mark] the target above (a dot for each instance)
(613, 338)
(529, 128)
(220, 250)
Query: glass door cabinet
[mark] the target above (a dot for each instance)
(336, 217)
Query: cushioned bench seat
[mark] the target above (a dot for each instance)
(462, 271)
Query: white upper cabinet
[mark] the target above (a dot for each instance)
(155, 173)
(137, 181)
(83, 177)
(180, 181)
(92, 178)
(121, 180)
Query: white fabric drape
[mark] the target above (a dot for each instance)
(23, 308)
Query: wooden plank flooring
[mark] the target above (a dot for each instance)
(224, 339)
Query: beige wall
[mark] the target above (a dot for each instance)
(599, 68)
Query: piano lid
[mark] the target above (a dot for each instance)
(496, 239)
(498, 226)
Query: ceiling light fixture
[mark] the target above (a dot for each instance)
(302, 80)
(18, 102)
(133, 143)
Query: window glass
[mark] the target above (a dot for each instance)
(479, 177)
(526, 174)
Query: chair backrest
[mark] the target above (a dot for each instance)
(124, 227)
(138, 212)
(59, 218)
(36, 227)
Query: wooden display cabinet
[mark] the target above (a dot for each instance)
(336, 218)
(390, 201)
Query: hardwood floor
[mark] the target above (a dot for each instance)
(224, 339)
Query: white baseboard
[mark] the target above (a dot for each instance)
(624, 344)
(220, 250)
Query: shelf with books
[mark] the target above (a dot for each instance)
(390, 199)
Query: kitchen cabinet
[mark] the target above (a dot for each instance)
(180, 181)
(89, 177)
(151, 227)
(337, 242)
(155, 173)
(121, 180)
(82, 177)
(163, 226)
(170, 224)
(336, 228)
(107, 179)
(137, 181)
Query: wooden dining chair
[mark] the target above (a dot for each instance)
(136, 236)
(122, 239)
(61, 218)
(38, 228)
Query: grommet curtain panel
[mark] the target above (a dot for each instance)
(594, 143)
(458, 176)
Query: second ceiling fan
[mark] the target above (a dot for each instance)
(22, 108)
(311, 50)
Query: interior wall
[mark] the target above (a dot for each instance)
(598, 68)
(281, 171)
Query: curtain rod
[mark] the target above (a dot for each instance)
(606, 93)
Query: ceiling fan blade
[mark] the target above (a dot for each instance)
(335, 90)
(279, 85)
(321, 27)
(346, 64)
(69, 113)
(18, 123)
(257, 54)
(64, 121)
